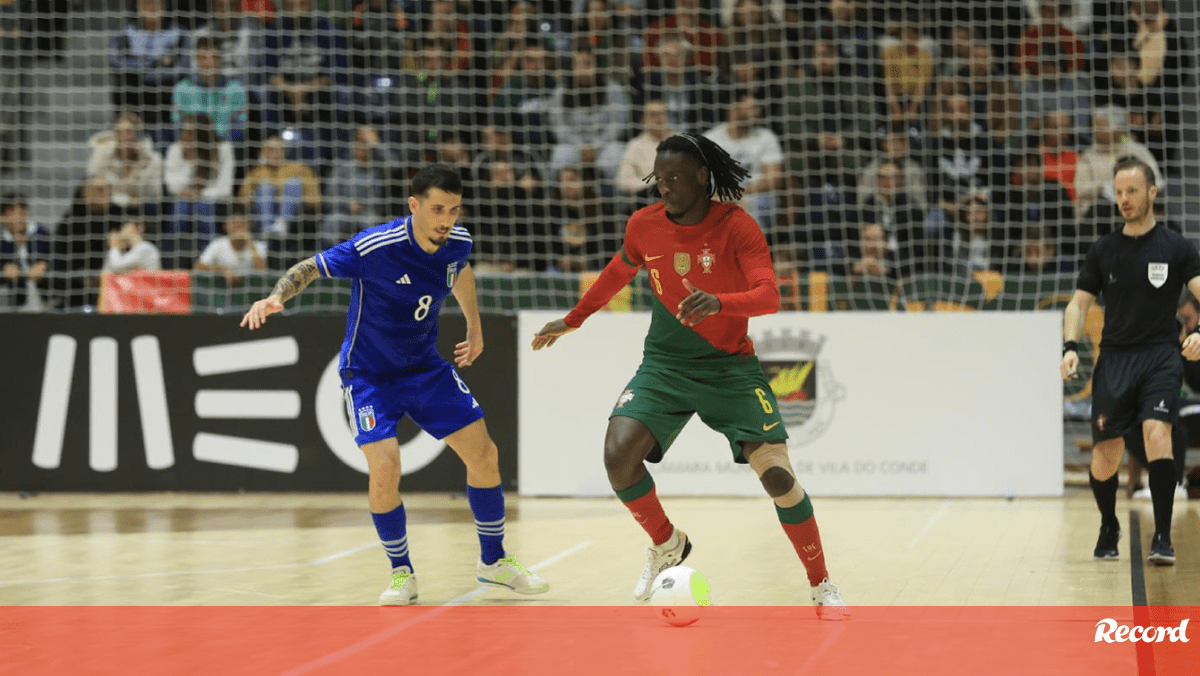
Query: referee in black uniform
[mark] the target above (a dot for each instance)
(1141, 270)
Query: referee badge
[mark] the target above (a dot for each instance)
(1157, 272)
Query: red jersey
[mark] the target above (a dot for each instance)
(725, 255)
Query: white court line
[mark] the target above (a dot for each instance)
(392, 631)
(208, 571)
(929, 523)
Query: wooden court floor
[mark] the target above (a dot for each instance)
(293, 549)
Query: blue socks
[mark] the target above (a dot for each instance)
(393, 533)
(487, 504)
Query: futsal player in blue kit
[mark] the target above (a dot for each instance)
(402, 272)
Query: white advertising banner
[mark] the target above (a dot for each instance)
(941, 404)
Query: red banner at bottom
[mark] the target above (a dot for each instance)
(581, 641)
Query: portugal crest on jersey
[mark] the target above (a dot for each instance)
(683, 263)
(706, 261)
(451, 275)
(1157, 272)
(366, 418)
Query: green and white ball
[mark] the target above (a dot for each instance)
(677, 594)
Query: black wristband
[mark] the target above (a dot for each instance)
(1070, 346)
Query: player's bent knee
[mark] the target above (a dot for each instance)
(777, 481)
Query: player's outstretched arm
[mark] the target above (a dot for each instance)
(1191, 344)
(550, 333)
(289, 285)
(1073, 322)
(466, 352)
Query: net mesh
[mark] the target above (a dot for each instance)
(903, 156)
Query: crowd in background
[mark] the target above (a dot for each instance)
(883, 139)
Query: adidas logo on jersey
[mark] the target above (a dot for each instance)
(404, 280)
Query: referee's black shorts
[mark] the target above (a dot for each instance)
(1130, 386)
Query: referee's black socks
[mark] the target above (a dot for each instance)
(1106, 498)
(1162, 493)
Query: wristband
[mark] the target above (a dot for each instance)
(1070, 346)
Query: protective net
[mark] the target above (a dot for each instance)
(903, 156)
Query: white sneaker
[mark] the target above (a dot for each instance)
(829, 603)
(403, 590)
(1142, 493)
(506, 572)
(1181, 492)
(659, 558)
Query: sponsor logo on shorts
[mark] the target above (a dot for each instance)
(366, 418)
(1109, 631)
(768, 428)
(1101, 422)
(1162, 406)
(802, 382)
(625, 398)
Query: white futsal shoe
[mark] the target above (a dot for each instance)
(829, 603)
(506, 572)
(659, 558)
(403, 590)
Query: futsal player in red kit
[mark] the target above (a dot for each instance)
(710, 271)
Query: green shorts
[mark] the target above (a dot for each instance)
(735, 401)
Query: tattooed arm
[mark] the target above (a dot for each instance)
(289, 285)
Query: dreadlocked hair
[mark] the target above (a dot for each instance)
(725, 173)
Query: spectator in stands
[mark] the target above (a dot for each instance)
(1049, 30)
(24, 258)
(638, 160)
(831, 118)
(872, 258)
(689, 98)
(148, 56)
(995, 101)
(511, 232)
(198, 174)
(854, 39)
(908, 73)
(282, 196)
(1074, 14)
(518, 27)
(608, 36)
(379, 31)
(444, 26)
(956, 54)
(898, 212)
(14, 86)
(129, 250)
(452, 152)
(1033, 202)
(965, 158)
(1058, 158)
(1037, 255)
(306, 61)
(128, 160)
(972, 239)
(435, 99)
(1054, 87)
(582, 225)
(759, 151)
(754, 29)
(358, 192)
(236, 39)
(687, 20)
(81, 240)
(1111, 140)
(589, 115)
(748, 69)
(208, 92)
(522, 103)
(236, 254)
(498, 146)
(895, 146)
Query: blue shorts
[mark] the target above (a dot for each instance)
(432, 394)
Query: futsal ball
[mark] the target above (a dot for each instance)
(677, 594)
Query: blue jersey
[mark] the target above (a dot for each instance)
(398, 290)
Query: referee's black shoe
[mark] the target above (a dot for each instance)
(1106, 544)
(1161, 551)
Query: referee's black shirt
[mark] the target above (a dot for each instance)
(1141, 279)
